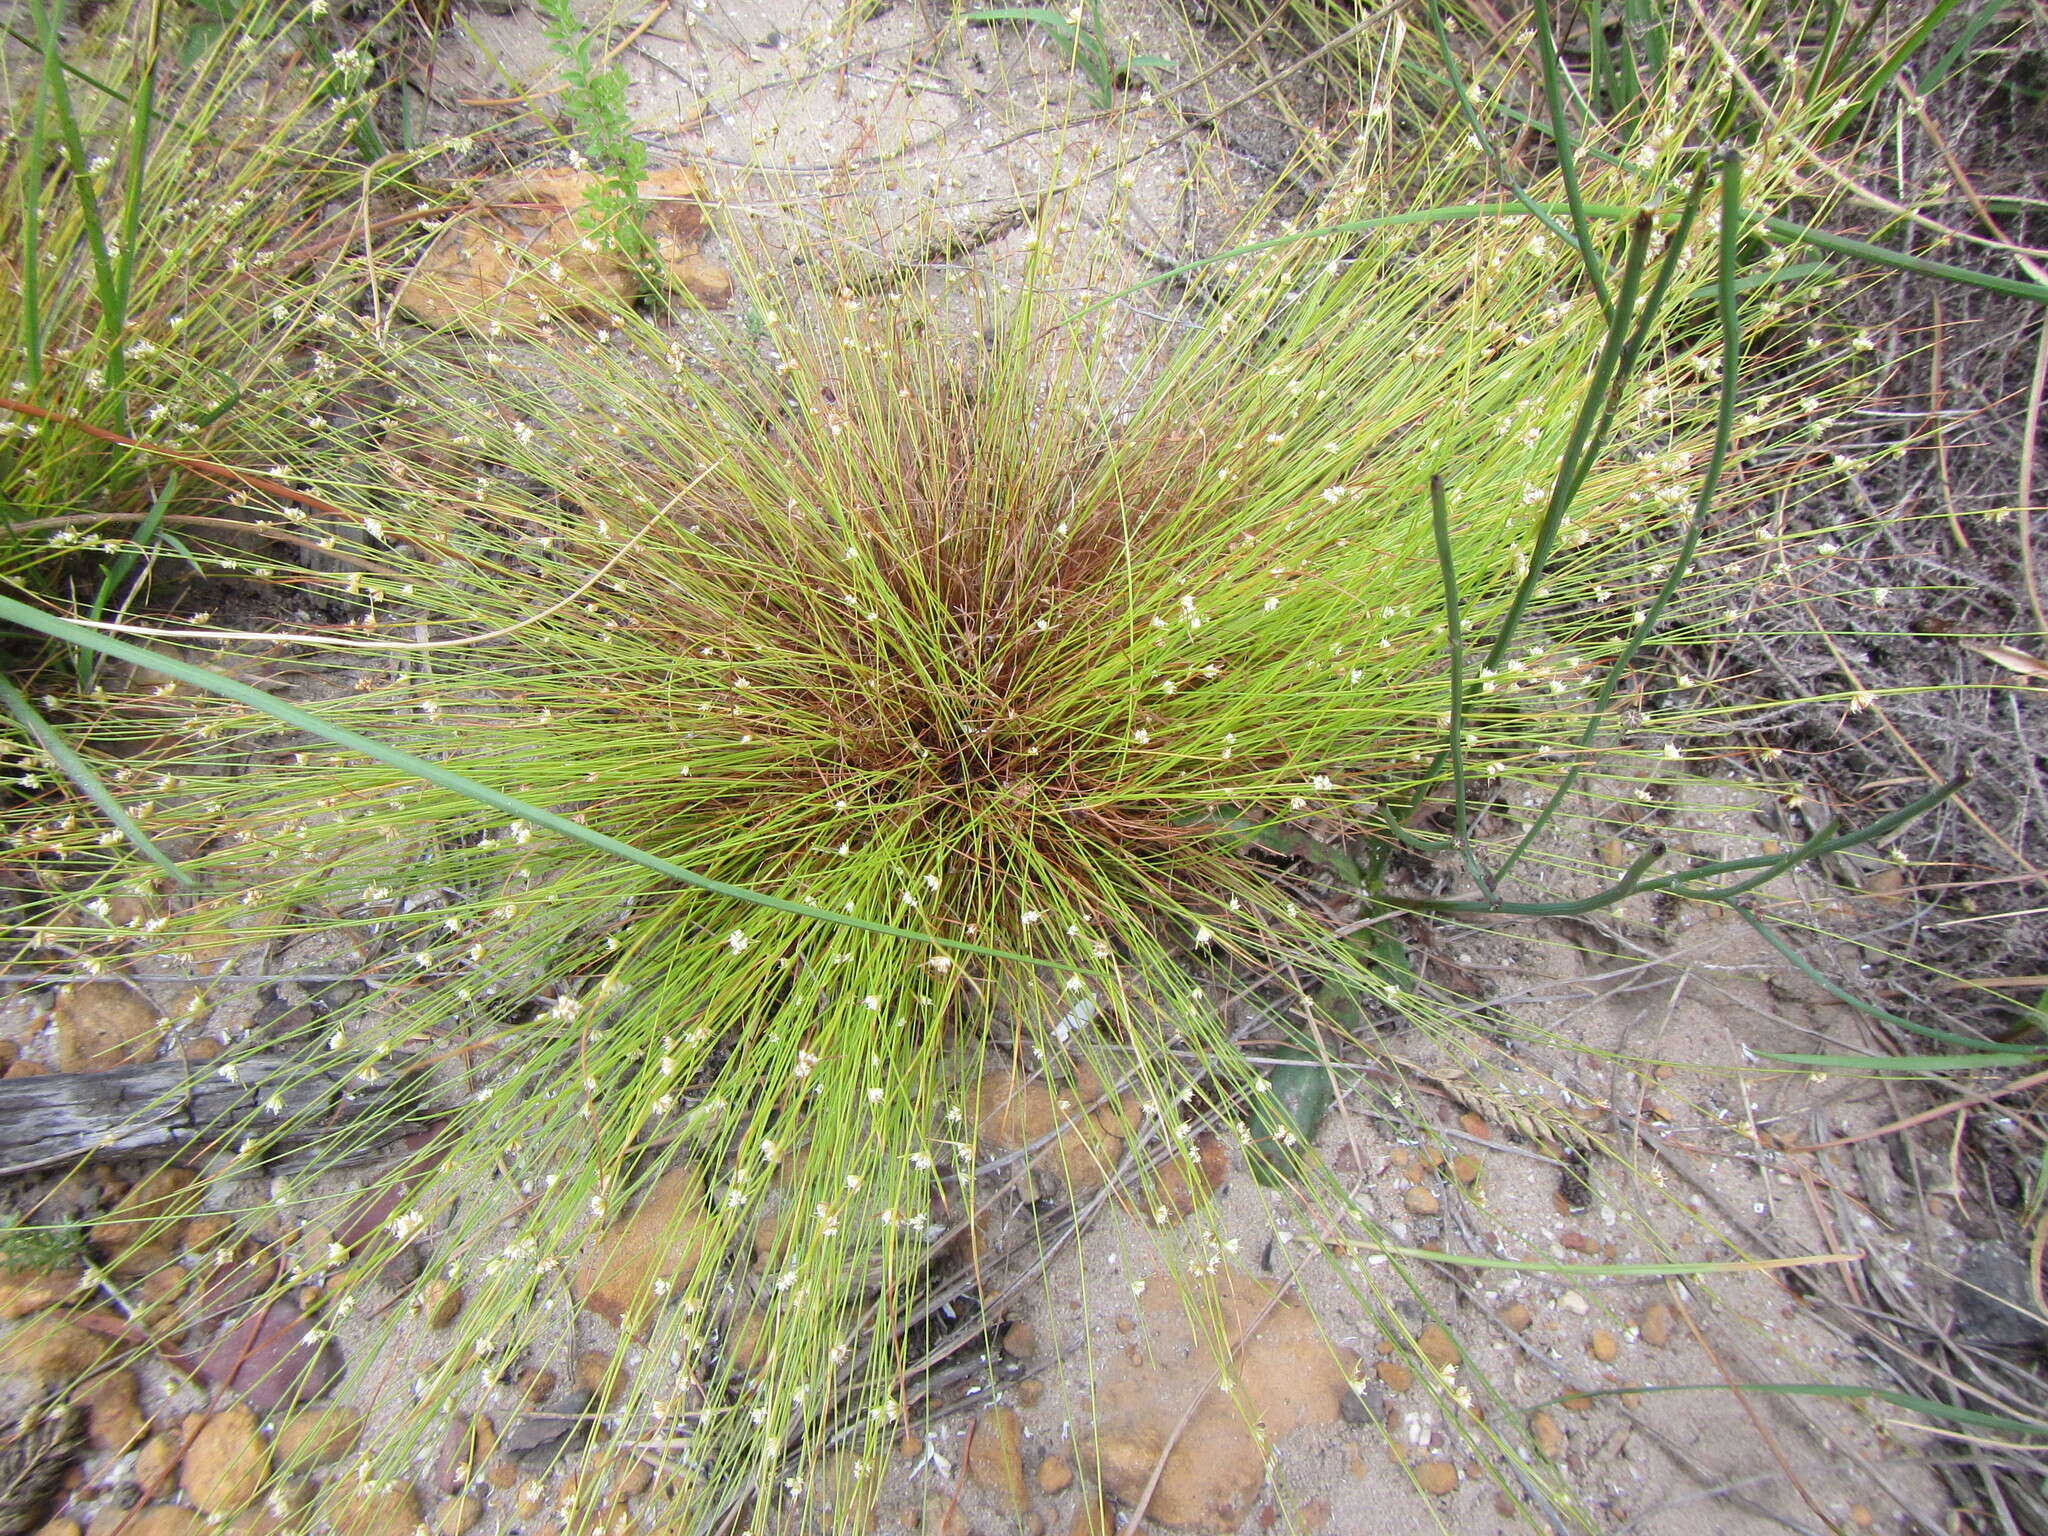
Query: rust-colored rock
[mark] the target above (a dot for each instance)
(114, 1420)
(1418, 1201)
(1438, 1347)
(142, 1232)
(226, 1463)
(156, 1464)
(151, 1520)
(996, 1458)
(1655, 1324)
(1011, 1112)
(603, 1376)
(23, 1291)
(362, 1508)
(440, 1303)
(1437, 1477)
(316, 1437)
(1092, 1516)
(654, 1249)
(1290, 1379)
(1173, 1197)
(528, 255)
(51, 1346)
(102, 1024)
(1603, 1347)
(1548, 1433)
(1516, 1317)
(1054, 1473)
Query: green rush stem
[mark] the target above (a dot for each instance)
(76, 769)
(1596, 409)
(1452, 213)
(1724, 434)
(1628, 78)
(1567, 154)
(1667, 270)
(141, 118)
(111, 323)
(102, 86)
(1528, 204)
(1447, 567)
(1824, 842)
(1601, 65)
(1897, 1399)
(31, 240)
(1799, 963)
(145, 534)
(1618, 352)
(460, 784)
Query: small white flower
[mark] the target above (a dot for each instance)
(736, 940)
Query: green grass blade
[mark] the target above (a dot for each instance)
(1622, 1271)
(79, 772)
(32, 240)
(1916, 1066)
(1452, 213)
(1841, 994)
(118, 569)
(1685, 882)
(48, 27)
(1454, 629)
(1610, 371)
(141, 119)
(1906, 1400)
(1944, 68)
(446, 778)
(1470, 113)
(1567, 152)
(1703, 503)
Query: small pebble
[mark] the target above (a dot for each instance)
(1655, 1324)
(441, 1303)
(1437, 1477)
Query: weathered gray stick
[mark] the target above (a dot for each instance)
(276, 1100)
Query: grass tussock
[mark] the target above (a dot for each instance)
(1009, 652)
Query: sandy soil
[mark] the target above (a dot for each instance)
(1645, 1028)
